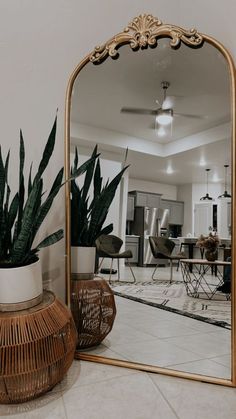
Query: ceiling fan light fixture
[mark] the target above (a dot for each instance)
(160, 131)
(164, 116)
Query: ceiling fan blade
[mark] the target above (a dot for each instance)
(186, 115)
(138, 111)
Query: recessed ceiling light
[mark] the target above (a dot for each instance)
(202, 162)
(169, 170)
(215, 178)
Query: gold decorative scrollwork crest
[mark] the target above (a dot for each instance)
(144, 32)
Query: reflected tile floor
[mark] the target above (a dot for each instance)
(149, 335)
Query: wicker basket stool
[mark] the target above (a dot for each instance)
(36, 349)
(93, 308)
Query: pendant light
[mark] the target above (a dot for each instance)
(225, 194)
(207, 197)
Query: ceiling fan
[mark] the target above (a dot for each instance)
(165, 113)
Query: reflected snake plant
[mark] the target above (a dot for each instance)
(88, 215)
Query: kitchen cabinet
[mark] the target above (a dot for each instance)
(146, 199)
(176, 209)
(132, 243)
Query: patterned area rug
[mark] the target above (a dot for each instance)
(172, 297)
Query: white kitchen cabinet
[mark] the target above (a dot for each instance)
(130, 208)
(176, 209)
(132, 243)
(146, 199)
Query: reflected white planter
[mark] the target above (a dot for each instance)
(21, 287)
(82, 262)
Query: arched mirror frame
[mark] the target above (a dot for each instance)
(143, 32)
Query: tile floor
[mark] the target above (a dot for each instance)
(96, 391)
(148, 335)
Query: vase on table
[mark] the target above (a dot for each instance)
(211, 255)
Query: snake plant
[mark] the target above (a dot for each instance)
(22, 216)
(88, 214)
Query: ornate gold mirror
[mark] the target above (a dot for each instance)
(160, 99)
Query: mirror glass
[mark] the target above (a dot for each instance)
(185, 324)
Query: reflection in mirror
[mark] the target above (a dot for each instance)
(179, 316)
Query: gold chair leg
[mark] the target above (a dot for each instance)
(110, 271)
(171, 270)
(154, 272)
(99, 266)
(118, 268)
(131, 270)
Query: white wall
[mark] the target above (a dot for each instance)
(167, 191)
(41, 43)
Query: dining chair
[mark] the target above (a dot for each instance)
(108, 246)
(162, 248)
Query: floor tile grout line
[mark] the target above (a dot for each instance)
(179, 347)
(64, 406)
(163, 396)
(192, 352)
(74, 386)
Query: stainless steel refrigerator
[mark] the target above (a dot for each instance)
(149, 222)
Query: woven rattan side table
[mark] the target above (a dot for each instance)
(36, 349)
(93, 308)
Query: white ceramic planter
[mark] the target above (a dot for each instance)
(20, 286)
(82, 262)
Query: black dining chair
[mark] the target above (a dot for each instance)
(162, 248)
(108, 246)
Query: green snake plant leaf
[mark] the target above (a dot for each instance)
(100, 210)
(30, 179)
(21, 244)
(76, 159)
(10, 217)
(47, 153)
(2, 180)
(97, 183)
(21, 183)
(43, 209)
(48, 241)
(51, 239)
(89, 174)
(75, 212)
(78, 171)
(6, 166)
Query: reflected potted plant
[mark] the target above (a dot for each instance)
(20, 220)
(89, 213)
(210, 243)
